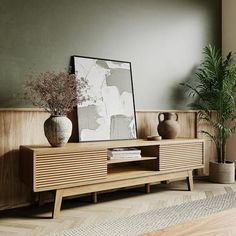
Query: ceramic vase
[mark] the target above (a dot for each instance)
(168, 126)
(57, 130)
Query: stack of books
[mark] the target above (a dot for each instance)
(123, 153)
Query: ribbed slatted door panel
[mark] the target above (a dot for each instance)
(180, 156)
(53, 170)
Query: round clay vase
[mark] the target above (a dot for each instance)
(168, 127)
(223, 173)
(57, 130)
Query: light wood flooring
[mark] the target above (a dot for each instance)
(36, 220)
(220, 224)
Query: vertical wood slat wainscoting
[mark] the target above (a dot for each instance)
(17, 127)
(24, 126)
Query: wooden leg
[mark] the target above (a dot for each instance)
(190, 180)
(147, 188)
(94, 197)
(57, 203)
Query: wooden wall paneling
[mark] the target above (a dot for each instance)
(230, 149)
(187, 124)
(230, 146)
(147, 122)
(210, 149)
(17, 126)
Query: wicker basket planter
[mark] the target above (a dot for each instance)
(223, 173)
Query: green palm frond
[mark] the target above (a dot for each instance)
(214, 138)
(214, 90)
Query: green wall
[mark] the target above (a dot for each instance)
(163, 40)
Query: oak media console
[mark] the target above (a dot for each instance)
(79, 168)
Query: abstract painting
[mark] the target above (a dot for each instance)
(109, 114)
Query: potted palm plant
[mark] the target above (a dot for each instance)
(214, 92)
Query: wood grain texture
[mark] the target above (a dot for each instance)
(57, 170)
(147, 123)
(220, 224)
(24, 126)
(117, 180)
(190, 127)
(190, 180)
(210, 148)
(178, 156)
(57, 204)
(35, 221)
(17, 126)
(74, 166)
(77, 163)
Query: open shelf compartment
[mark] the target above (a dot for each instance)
(149, 161)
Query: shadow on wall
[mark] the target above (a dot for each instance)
(180, 95)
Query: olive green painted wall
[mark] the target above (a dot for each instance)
(163, 40)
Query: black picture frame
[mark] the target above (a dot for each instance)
(110, 113)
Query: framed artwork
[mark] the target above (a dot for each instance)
(109, 114)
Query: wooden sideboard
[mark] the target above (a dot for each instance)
(79, 168)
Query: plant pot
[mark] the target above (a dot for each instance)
(223, 173)
(57, 130)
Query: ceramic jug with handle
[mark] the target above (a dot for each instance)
(168, 126)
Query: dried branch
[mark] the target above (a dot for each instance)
(56, 93)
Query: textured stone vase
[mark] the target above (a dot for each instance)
(168, 127)
(58, 130)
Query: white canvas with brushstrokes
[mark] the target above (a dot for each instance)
(110, 114)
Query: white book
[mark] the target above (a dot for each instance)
(119, 151)
(124, 157)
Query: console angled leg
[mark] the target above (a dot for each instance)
(57, 203)
(94, 197)
(190, 180)
(147, 188)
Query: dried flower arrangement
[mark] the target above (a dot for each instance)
(57, 93)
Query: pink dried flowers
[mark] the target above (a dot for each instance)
(57, 93)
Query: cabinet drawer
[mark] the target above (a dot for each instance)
(52, 171)
(181, 156)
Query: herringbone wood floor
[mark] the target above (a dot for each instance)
(220, 224)
(37, 220)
